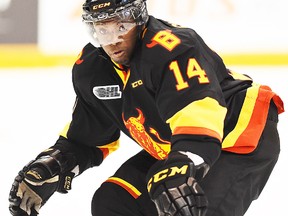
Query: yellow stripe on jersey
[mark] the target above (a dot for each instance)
(244, 117)
(106, 149)
(126, 185)
(205, 117)
(122, 74)
(238, 76)
(109, 148)
(65, 130)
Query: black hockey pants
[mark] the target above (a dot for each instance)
(231, 185)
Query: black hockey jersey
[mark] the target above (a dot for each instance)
(177, 94)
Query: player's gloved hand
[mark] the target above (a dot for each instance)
(36, 183)
(173, 186)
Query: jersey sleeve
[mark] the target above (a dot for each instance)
(185, 76)
(91, 134)
(90, 126)
(191, 101)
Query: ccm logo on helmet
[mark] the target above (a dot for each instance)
(172, 171)
(103, 5)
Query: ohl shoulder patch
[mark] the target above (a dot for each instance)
(107, 92)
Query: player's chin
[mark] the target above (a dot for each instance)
(123, 60)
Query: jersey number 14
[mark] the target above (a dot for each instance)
(169, 41)
(193, 70)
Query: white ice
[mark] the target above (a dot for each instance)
(35, 105)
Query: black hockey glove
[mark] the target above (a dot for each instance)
(173, 186)
(37, 182)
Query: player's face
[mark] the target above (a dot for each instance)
(118, 39)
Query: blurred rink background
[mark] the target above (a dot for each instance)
(39, 41)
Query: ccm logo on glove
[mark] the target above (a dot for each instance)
(67, 184)
(169, 172)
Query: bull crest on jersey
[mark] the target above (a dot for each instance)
(137, 130)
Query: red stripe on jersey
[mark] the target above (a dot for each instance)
(197, 131)
(127, 186)
(105, 152)
(249, 138)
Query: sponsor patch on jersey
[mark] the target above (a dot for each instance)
(107, 92)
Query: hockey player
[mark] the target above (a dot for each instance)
(209, 135)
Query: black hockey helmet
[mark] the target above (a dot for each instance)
(130, 13)
(99, 10)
